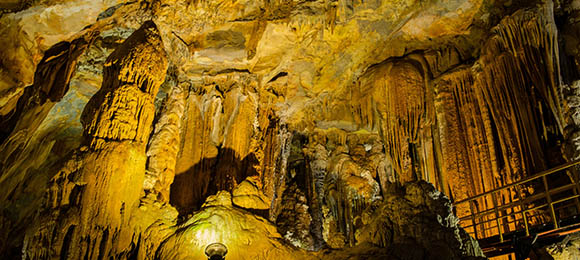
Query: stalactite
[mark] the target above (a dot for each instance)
(274, 177)
(220, 138)
(403, 111)
(164, 144)
(342, 182)
(466, 141)
(323, 115)
(362, 105)
(518, 70)
(491, 128)
(449, 91)
(318, 160)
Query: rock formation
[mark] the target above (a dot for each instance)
(323, 129)
(89, 202)
(569, 248)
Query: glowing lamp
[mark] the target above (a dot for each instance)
(216, 251)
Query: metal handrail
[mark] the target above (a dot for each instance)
(528, 179)
(493, 214)
(518, 202)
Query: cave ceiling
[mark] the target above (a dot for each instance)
(317, 49)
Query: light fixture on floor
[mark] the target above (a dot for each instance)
(216, 251)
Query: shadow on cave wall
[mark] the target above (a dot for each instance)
(210, 175)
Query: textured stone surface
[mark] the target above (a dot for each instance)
(294, 221)
(248, 195)
(311, 114)
(414, 222)
(164, 144)
(569, 248)
(247, 236)
(417, 219)
(90, 201)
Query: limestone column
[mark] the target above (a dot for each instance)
(91, 198)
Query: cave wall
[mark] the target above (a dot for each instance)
(309, 114)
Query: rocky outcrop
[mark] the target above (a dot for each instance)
(51, 83)
(247, 236)
(43, 32)
(416, 221)
(572, 110)
(568, 248)
(248, 194)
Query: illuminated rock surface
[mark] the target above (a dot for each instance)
(89, 202)
(569, 248)
(414, 221)
(284, 129)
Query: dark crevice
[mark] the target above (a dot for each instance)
(232, 70)
(66, 243)
(103, 245)
(279, 75)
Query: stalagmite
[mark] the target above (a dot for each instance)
(91, 199)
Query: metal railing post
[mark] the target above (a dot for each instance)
(549, 199)
(576, 190)
(473, 219)
(526, 222)
(528, 204)
(522, 209)
(497, 219)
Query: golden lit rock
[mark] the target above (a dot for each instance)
(90, 201)
(327, 129)
(248, 195)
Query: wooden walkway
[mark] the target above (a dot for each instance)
(537, 210)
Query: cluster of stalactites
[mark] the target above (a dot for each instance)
(459, 120)
(494, 118)
(518, 69)
(123, 109)
(404, 109)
